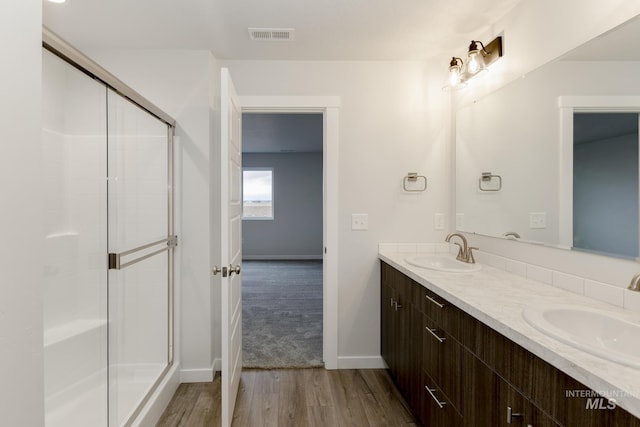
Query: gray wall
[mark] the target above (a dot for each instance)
(296, 230)
(605, 196)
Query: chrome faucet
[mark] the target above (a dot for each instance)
(465, 252)
(635, 283)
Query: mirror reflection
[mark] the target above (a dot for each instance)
(517, 173)
(605, 183)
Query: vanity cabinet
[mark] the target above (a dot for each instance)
(454, 370)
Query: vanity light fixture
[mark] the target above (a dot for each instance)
(57, 1)
(479, 57)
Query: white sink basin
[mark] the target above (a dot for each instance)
(595, 331)
(446, 263)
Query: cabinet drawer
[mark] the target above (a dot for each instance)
(442, 360)
(436, 410)
(447, 316)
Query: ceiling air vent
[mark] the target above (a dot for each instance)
(272, 34)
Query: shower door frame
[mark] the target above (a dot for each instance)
(59, 47)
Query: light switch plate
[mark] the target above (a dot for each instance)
(459, 221)
(438, 221)
(537, 220)
(359, 222)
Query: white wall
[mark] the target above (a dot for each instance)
(21, 282)
(393, 120)
(296, 229)
(180, 83)
(533, 36)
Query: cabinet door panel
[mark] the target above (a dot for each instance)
(386, 325)
(480, 391)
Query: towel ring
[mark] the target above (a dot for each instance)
(414, 177)
(487, 177)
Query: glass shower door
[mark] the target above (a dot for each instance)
(138, 198)
(74, 161)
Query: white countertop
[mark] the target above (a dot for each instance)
(497, 298)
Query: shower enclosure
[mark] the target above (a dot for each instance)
(109, 243)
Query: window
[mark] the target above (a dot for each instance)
(257, 193)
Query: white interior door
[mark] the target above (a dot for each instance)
(231, 245)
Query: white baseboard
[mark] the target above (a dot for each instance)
(281, 257)
(361, 362)
(204, 375)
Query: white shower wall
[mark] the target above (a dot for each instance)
(105, 162)
(75, 275)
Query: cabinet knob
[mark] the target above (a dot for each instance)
(511, 415)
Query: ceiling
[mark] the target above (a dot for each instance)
(324, 29)
(590, 127)
(282, 132)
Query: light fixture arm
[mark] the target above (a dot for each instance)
(474, 47)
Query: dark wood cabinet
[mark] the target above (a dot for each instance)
(490, 401)
(454, 370)
(401, 342)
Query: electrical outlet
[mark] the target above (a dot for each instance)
(359, 222)
(537, 220)
(459, 221)
(438, 221)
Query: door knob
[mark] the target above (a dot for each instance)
(233, 269)
(217, 270)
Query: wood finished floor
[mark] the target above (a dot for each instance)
(295, 397)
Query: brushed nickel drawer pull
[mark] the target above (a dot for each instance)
(439, 304)
(511, 415)
(432, 331)
(433, 396)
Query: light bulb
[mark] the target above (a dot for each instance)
(473, 64)
(454, 71)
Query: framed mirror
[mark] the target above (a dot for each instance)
(533, 160)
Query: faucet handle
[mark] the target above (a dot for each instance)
(470, 258)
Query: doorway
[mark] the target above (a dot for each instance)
(282, 239)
